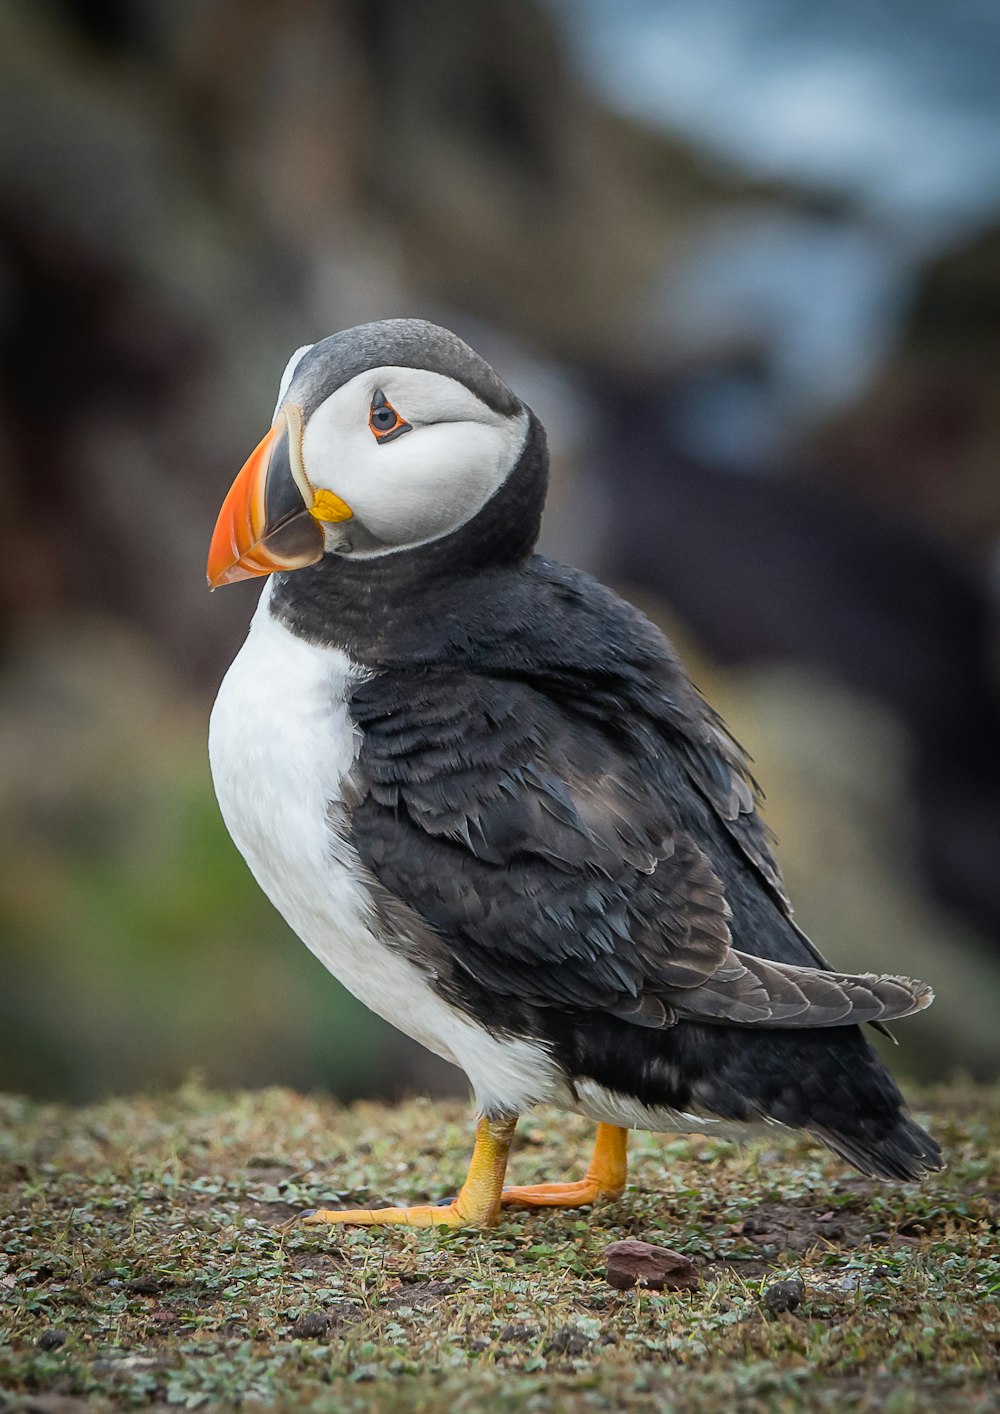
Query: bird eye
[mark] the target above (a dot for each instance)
(383, 419)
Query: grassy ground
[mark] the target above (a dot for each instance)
(141, 1264)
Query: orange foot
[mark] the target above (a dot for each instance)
(605, 1177)
(477, 1205)
(425, 1215)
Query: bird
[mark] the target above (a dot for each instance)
(484, 792)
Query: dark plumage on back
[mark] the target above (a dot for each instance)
(556, 855)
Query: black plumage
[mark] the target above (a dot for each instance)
(542, 788)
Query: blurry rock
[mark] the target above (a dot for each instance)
(631, 1263)
(314, 1325)
(784, 1295)
(923, 443)
(568, 1340)
(52, 1339)
(517, 1334)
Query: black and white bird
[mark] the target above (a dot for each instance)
(483, 791)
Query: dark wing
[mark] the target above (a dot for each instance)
(649, 676)
(547, 859)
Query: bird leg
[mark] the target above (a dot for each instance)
(478, 1201)
(605, 1177)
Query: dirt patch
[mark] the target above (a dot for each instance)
(788, 1228)
(275, 1174)
(319, 1262)
(273, 1214)
(321, 1325)
(421, 1293)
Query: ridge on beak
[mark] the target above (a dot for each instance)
(271, 517)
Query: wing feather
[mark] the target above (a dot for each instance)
(548, 857)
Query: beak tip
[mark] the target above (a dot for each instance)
(215, 578)
(234, 572)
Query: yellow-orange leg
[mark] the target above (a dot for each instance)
(478, 1202)
(605, 1177)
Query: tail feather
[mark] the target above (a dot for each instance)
(904, 1152)
(750, 991)
(827, 1080)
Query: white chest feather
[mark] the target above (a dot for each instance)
(281, 744)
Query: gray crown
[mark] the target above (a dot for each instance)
(404, 343)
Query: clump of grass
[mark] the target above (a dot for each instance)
(142, 1262)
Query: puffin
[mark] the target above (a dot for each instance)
(484, 792)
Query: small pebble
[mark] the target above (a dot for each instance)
(312, 1326)
(568, 1340)
(631, 1263)
(517, 1335)
(784, 1295)
(52, 1339)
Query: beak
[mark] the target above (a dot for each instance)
(271, 518)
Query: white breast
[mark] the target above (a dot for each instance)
(281, 742)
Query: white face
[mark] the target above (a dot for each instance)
(420, 484)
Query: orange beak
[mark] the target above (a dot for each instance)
(271, 517)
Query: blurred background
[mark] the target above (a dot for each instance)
(742, 257)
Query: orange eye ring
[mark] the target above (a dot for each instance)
(383, 419)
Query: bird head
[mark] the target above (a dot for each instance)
(385, 438)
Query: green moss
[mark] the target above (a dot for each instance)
(144, 1235)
